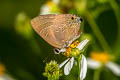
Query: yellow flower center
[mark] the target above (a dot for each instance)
(2, 69)
(102, 57)
(73, 45)
(50, 3)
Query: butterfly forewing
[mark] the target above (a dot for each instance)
(56, 29)
(43, 25)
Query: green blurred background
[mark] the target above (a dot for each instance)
(25, 54)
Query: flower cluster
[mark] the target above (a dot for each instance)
(52, 71)
(76, 54)
(3, 75)
(99, 59)
(50, 7)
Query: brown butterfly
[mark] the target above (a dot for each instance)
(59, 30)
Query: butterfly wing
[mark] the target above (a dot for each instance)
(64, 31)
(43, 25)
(56, 29)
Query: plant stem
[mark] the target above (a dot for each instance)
(79, 66)
(52, 79)
(97, 74)
(116, 10)
(96, 13)
(97, 32)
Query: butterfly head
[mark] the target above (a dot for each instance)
(76, 19)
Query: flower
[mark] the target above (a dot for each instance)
(74, 54)
(22, 25)
(50, 7)
(3, 75)
(56, 1)
(52, 70)
(83, 68)
(99, 59)
(2, 69)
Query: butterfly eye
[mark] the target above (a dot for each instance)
(81, 19)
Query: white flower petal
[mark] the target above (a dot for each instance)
(6, 77)
(63, 63)
(68, 66)
(93, 64)
(115, 68)
(1, 78)
(82, 44)
(83, 70)
(56, 1)
(45, 9)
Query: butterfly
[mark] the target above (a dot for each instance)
(59, 30)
